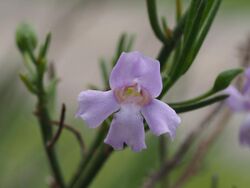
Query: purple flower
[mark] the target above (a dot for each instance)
(135, 82)
(239, 101)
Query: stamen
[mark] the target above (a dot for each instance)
(133, 94)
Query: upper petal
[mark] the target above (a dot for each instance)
(127, 128)
(134, 67)
(161, 118)
(96, 106)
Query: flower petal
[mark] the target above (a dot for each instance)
(134, 67)
(127, 127)
(161, 118)
(236, 101)
(96, 106)
(244, 133)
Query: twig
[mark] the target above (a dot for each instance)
(99, 158)
(75, 132)
(51, 143)
(202, 150)
(91, 152)
(244, 52)
(163, 152)
(183, 149)
(204, 146)
(46, 130)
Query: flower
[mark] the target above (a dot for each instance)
(135, 82)
(239, 101)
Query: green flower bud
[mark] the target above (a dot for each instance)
(26, 38)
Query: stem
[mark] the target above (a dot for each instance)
(200, 104)
(93, 149)
(96, 163)
(182, 151)
(75, 132)
(46, 130)
(194, 100)
(163, 152)
(202, 149)
(59, 130)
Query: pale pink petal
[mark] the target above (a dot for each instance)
(135, 68)
(127, 128)
(96, 106)
(161, 118)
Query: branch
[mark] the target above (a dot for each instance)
(51, 143)
(75, 132)
(204, 146)
(183, 149)
(202, 150)
(90, 154)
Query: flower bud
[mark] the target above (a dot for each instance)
(26, 38)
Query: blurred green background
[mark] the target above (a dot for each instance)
(84, 31)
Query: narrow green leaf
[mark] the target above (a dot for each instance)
(183, 62)
(152, 14)
(191, 14)
(45, 46)
(130, 43)
(167, 30)
(28, 83)
(178, 7)
(119, 49)
(224, 79)
(169, 47)
(207, 20)
(124, 44)
(51, 95)
(105, 72)
(28, 63)
(195, 39)
(121, 44)
(207, 25)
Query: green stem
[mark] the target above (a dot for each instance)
(200, 104)
(96, 163)
(194, 100)
(47, 132)
(93, 149)
(163, 156)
